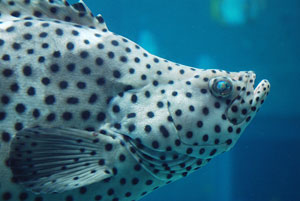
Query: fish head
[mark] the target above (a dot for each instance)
(211, 110)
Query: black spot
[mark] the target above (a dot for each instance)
(36, 113)
(201, 151)
(100, 81)
(108, 147)
(114, 43)
(5, 57)
(110, 55)
(41, 59)
(147, 94)
(123, 59)
(37, 13)
(56, 54)
(155, 144)
(7, 72)
(2, 116)
(189, 151)
(20, 108)
(156, 60)
(59, 32)
(150, 114)
(43, 35)
(99, 61)
(205, 111)
(131, 128)
(45, 81)
(189, 134)
(84, 54)
(63, 84)
(116, 109)
(135, 181)
(137, 60)
(85, 114)
(14, 87)
(6, 196)
(81, 85)
(244, 111)
(67, 116)
(148, 128)
(100, 46)
(10, 29)
(137, 167)
(93, 98)
(205, 138)
(18, 126)
(164, 131)
(188, 94)
(45, 45)
(217, 129)
(199, 124)
(50, 100)
(27, 36)
(178, 112)
(51, 117)
(229, 142)
(6, 137)
(45, 24)
(160, 104)
(27, 70)
(101, 162)
(122, 157)
(70, 46)
(71, 67)
(234, 108)
(116, 74)
(133, 98)
(213, 152)
(5, 99)
(72, 100)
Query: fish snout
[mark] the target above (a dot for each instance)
(250, 99)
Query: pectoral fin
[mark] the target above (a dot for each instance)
(53, 160)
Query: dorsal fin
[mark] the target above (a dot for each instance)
(77, 13)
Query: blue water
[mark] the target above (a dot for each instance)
(264, 165)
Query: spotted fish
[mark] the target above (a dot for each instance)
(87, 114)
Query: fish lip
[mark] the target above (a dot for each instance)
(260, 93)
(250, 98)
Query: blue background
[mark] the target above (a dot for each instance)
(265, 163)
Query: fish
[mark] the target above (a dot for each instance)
(87, 114)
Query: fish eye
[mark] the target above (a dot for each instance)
(221, 87)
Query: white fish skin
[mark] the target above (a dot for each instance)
(86, 114)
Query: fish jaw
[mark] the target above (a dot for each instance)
(244, 107)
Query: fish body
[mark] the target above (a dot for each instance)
(86, 114)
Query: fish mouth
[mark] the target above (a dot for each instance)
(248, 102)
(260, 93)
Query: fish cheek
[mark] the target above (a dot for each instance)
(143, 116)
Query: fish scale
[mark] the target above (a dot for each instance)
(87, 114)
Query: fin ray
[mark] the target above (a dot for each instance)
(43, 167)
(54, 9)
